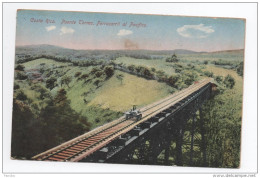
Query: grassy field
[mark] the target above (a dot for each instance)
(35, 64)
(158, 64)
(229, 56)
(132, 91)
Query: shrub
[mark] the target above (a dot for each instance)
(99, 73)
(173, 58)
(20, 95)
(51, 83)
(94, 70)
(66, 80)
(109, 71)
(131, 68)
(20, 67)
(84, 76)
(229, 81)
(208, 73)
(172, 80)
(240, 69)
(21, 75)
(16, 86)
(189, 77)
(77, 74)
(219, 79)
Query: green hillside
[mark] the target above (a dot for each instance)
(132, 91)
(102, 103)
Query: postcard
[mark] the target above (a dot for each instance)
(128, 88)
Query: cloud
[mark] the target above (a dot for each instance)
(66, 30)
(124, 32)
(195, 31)
(50, 28)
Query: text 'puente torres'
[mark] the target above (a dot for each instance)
(169, 127)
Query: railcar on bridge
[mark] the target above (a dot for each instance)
(133, 113)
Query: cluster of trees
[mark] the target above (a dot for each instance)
(173, 58)
(52, 123)
(97, 75)
(181, 80)
(141, 71)
(228, 81)
(222, 123)
(138, 56)
(223, 62)
(237, 66)
(240, 68)
(20, 73)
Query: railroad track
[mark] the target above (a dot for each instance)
(84, 145)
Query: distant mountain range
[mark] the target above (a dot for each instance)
(46, 47)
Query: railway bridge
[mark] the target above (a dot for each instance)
(170, 132)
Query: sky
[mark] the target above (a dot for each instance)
(81, 30)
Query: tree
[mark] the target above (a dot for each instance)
(160, 74)
(20, 95)
(61, 121)
(16, 86)
(99, 73)
(205, 62)
(84, 76)
(77, 74)
(222, 123)
(20, 67)
(219, 79)
(51, 83)
(61, 98)
(147, 73)
(208, 73)
(94, 70)
(44, 93)
(20, 75)
(66, 80)
(97, 82)
(173, 58)
(120, 77)
(22, 137)
(131, 68)
(109, 71)
(229, 81)
(240, 69)
(189, 77)
(172, 80)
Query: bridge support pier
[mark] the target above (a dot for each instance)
(167, 153)
(179, 141)
(192, 138)
(203, 144)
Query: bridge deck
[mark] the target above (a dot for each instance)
(84, 145)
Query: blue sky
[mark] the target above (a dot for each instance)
(154, 32)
